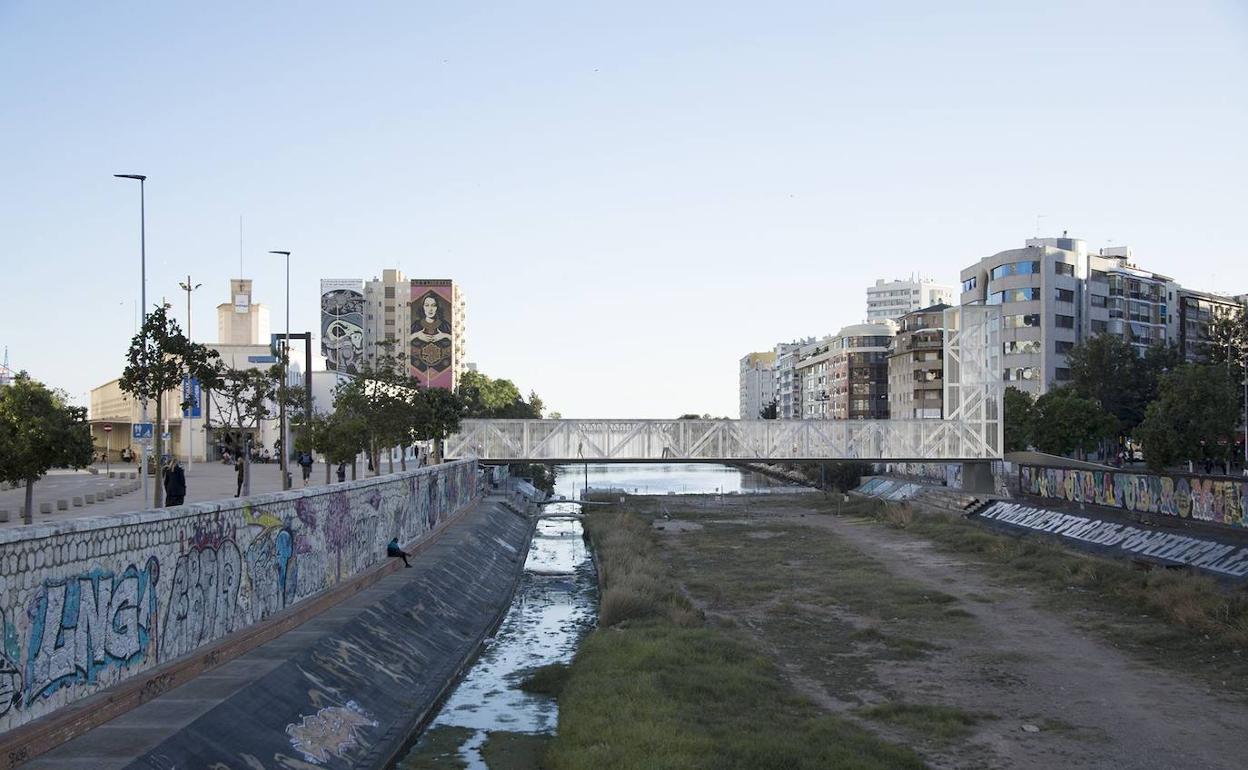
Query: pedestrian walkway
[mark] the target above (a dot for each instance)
(204, 482)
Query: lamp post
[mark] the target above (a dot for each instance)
(188, 430)
(282, 384)
(142, 179)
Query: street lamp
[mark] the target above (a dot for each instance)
(187, 432)
(282, 384)
(142, 179)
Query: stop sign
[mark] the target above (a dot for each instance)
(108, 429)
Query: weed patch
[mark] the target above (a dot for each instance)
(545, 680)
(939, 723)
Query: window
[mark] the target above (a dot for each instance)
(1062, 346)
(389, 292)
(1019, 321)
(1014, 268)
(1063, 268)
(1099, 327)
(1061, 374)
(1013, 295)
(1098, 300)
(969, 284)
(1021, 347)
(1064, 321)
(1064, 295)
(1096, 275)
(1019, 374)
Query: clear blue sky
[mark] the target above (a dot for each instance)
(632, 194)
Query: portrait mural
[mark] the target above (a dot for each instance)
(432, 348)
(342, 324)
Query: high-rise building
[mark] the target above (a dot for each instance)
(1196, 309)
(916, 365)
(757, 383)
(437, 339)
(845, 376)
(387, 316)
(241, 321)
(1054, 294)
(788, 384)
(890, 300)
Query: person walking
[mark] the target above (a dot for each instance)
(342, 472)
(239, 468)
(305, 462)
(175, 484)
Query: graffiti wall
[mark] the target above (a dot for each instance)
(1215, 500)
(342, 324)
(432, 342)
(1110, 538)
(87, 603)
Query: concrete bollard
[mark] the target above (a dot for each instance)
(62, 505)
(77, 502)
(112, 474)
(134, 475)
(4, 515)
(45, 508)
(88, 498)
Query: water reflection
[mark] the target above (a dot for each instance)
(554, 606)
(656, 479)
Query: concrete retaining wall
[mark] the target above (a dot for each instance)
(87, 603)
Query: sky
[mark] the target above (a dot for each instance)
(632, 195)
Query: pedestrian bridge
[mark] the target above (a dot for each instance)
(971, 430)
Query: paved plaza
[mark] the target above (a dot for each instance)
(204, 481)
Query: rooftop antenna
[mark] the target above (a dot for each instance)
(240, 246)
(1038, 218)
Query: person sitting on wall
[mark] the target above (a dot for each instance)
(394, 549)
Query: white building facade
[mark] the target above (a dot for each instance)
(890, 300)
(756, 383)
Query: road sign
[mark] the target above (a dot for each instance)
(166, 436)
(142, 431)
(108, 429)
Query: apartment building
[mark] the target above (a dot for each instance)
(1196, 309)
(916, 365)
(387, 316)
(756, 383)
(845, 376)
(788, 384)
(890, 300)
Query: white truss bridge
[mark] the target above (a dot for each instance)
(971, 430)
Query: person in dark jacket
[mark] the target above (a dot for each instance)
(175, 483)
(342, 472)
(238, 466)
(394, 549)
(305, 462)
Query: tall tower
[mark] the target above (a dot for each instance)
(242, 321)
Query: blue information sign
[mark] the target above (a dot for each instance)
(142, 431)
(191, 392)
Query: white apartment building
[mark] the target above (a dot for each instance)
(788, 384)
(890, 300)
(845, 376)
(757, 383)
(387, 316)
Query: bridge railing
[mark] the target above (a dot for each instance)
(972, 428)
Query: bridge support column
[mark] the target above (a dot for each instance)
(977, 477)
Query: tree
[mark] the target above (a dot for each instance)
(444, 412)
(1108, 371)
(1195, 413)
(1062, 422)
(339, 436)
(240, 398)
(1018, 406)
(771, 411)
(158, 358)
(39, 431)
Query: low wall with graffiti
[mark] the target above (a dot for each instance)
(89, 602)
(1214, 500)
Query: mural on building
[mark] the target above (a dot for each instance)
(84, 607)
(342, 324)
(432, 351)
(1215, 500)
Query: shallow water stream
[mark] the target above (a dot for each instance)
(554, 606)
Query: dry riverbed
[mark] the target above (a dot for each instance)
(944, 652)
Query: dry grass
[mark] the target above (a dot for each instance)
(634, 580)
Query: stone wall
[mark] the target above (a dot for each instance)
(89, 602)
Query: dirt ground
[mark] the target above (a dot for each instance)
(869, 621)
